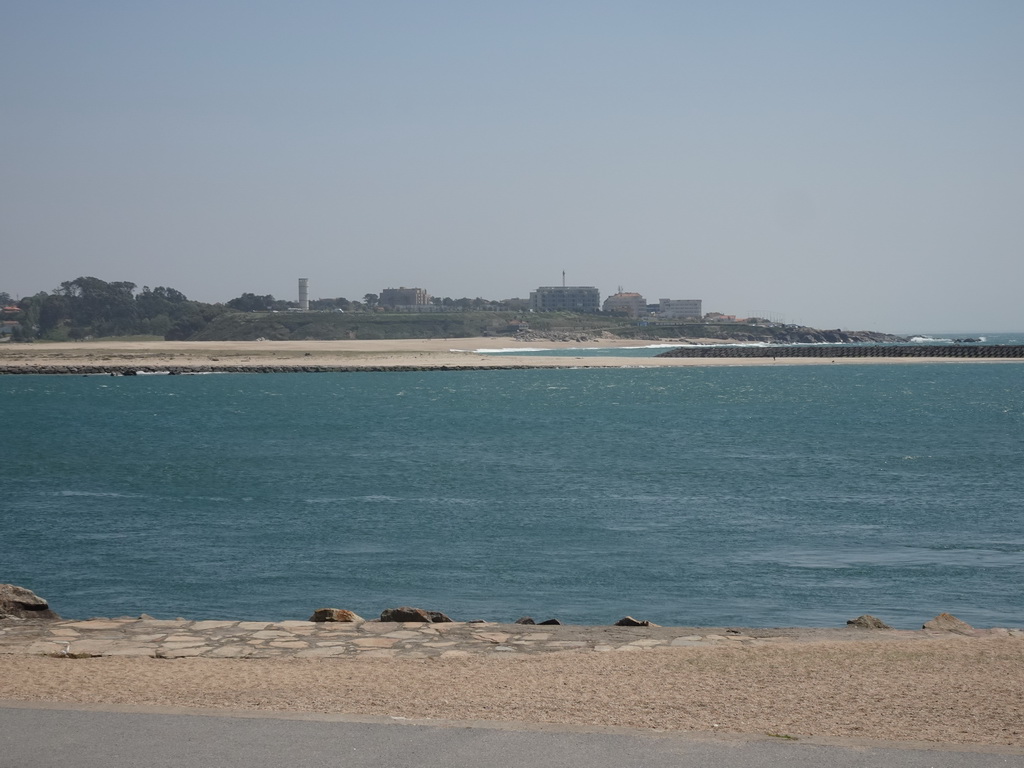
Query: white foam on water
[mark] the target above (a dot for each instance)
(98, 494)
(499, 351)
(653, 346)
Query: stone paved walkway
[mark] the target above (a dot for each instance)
(180, 638)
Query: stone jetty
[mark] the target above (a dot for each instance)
(957, 351)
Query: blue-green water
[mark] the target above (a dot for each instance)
(801, 495)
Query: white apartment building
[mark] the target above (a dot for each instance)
(680, 308)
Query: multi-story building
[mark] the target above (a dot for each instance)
(631, 304)
(565, 298)
(679, 308)
(403, 297)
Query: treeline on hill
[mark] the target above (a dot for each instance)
(89, 307)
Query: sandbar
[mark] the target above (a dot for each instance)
(380, 354)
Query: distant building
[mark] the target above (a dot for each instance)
(680, 309)
(632, 304)
(565, 298)
(403, 297)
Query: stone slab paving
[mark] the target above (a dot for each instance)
(181, 638)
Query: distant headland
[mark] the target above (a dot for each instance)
(89, 308)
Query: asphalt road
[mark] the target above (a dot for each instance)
(86, 738)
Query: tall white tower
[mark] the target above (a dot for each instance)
(304, 294)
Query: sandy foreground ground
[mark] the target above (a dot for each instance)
(944, 690)
(425, 353)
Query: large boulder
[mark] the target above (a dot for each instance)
(405, 613)
(334, 614)
(867, 621)
(947, 622)
(20, 603)
(629, 621)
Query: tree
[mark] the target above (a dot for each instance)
(93, 307)
(250, 302)
(158, 301)
(52, 312)
(169, 294)
(370, 300)
(31, 306)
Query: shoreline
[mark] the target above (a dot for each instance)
(118, 357)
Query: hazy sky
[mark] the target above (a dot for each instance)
(839, 164)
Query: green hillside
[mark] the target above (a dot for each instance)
(279, 326)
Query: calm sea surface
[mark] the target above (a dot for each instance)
(801, 495)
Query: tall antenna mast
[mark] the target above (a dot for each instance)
(563, 278)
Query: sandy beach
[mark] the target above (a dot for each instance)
(940, 690)
(396, 353)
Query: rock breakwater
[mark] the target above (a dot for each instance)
(980, 352)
